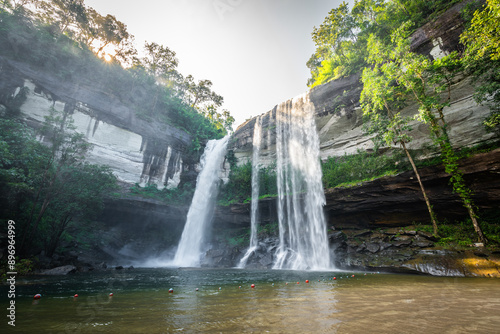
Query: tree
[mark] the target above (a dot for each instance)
(196, 94)
(99, 32)
(382, 99)
(21, 159)
(82, 198)
(482, 58)
(27, 169)
(160, 62)
(64, 13)
(67, 148)
(341, 41)
(332, 38)
(430, 84)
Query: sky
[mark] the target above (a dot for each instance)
(253, 51)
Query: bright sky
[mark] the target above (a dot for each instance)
(253, 51)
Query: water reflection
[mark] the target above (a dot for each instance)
(362, 304)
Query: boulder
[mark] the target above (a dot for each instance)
(63, 270)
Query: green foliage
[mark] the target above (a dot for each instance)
(23, 267)
(342, 39)
(463, 234)
(241, 238)
(482, 59)
(355, 168)
(269, 229)
(239, 187)
(171, 196)
(48, 187)
(151, 85)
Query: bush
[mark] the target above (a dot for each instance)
(359, 167)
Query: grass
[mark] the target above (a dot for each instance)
(462, 234)
(170, 196)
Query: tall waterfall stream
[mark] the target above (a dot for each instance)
(200, 212)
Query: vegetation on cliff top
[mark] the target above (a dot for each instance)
(375, 39)
(75, 44)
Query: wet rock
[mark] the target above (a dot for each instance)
(361, 247)
(427, 235)
(362, 233)
(423, 243)
(351, 250)
(402, 243)
(215, 253)
(393, 231)
(385, 245)
(266, 260)
(372, 247)
(63, 270)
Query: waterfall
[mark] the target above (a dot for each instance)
(257, 139)
(200, 212)
(303, 242)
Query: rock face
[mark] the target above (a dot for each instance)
(63, 270)
(135, 229)
(392, 200)
(339, 116)
(137, 151)
(408, 250)
(397, 200)
(371, 223)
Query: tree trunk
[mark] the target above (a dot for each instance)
(427, 202)
(477, 228)
(451, 167)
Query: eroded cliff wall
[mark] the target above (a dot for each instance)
(339, 116)
(136, 150)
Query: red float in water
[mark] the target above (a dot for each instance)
(335, 278)
(171, 290)
(37, 296)
(76, 295)
(307, 281)
(352, 276)
(252, 286)
(111, 294)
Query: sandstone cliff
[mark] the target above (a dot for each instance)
(339, 117)
(137, 151)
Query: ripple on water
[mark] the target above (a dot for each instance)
(366, 304)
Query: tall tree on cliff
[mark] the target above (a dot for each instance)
(64, 13)
(482, 58)
(429, 83)
(382, 99)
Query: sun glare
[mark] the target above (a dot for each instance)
(107, 57)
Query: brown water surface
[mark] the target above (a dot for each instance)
(141, 303)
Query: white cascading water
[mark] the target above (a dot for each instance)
(200, 212)
(303, 242)
(254, 242)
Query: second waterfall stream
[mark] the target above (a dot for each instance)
(201, 210)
